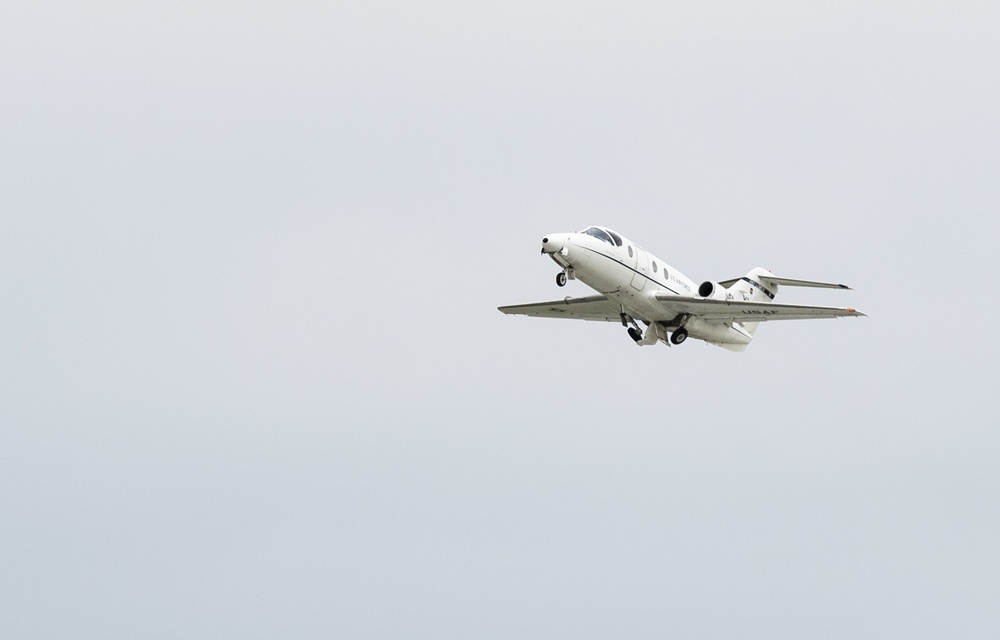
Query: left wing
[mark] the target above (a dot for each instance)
(596, 308)
(741, 311)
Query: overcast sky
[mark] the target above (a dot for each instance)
(254, 383)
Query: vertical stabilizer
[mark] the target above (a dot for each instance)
(754, 287)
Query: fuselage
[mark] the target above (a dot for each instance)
(629, 275)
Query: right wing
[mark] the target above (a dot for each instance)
(590, 308)
(740, 311)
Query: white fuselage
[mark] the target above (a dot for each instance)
(635, 286)
(632, 277)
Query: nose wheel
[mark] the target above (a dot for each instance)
(561, 278)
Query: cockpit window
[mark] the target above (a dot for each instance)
(614, 236)
(600, 234)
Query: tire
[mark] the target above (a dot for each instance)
(561, 278)
(679, 336)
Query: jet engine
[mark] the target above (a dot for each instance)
(712, 290)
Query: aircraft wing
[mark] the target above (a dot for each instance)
(590, 308)
(741, 311)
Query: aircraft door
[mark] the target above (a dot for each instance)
(641, 266)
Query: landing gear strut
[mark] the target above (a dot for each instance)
(561, 278)
(633, 332)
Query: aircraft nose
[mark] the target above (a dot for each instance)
(553, 243)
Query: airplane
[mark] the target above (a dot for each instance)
(634, 285)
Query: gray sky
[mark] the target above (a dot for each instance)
(254, 383)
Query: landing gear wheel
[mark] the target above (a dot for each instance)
(561, 278)
(634, 334)
(679, 336)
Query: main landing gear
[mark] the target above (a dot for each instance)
(679, 335)
(561, 278)
(655, 332)
(633, 332)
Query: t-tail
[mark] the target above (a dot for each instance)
(760, 285)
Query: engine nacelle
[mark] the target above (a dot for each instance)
(713, 290)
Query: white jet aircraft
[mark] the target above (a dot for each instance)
(635, 285)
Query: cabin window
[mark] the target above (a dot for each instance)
(654, 266)
(630, 252)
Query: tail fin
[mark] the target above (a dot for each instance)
(760, 285)
(757, 286)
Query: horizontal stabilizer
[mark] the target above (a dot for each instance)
(790, 282)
